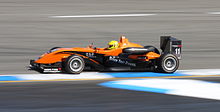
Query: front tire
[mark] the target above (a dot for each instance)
(168, 63)
(74, 64)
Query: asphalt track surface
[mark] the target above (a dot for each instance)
(27, 29)
(86, 96)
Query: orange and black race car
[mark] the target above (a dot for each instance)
(127, 57)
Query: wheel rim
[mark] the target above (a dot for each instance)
(170, 63)
(76, 64)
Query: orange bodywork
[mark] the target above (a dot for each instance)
(61, 53)
(149, 56)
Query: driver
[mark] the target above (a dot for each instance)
(113, 45)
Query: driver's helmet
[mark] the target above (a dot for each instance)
(113, 44)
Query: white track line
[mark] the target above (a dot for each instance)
(84, 75)
(213, 12)
(181, 87)
(200, 72)
(97, 16)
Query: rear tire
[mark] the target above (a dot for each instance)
(74, 64)
(167, 63)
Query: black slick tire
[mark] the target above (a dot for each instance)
(51, 50)
(74, 64)
(167, 63)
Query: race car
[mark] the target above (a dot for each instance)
(127, 57)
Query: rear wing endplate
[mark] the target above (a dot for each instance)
(171, 45)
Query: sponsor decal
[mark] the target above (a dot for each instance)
(52, 70)
(117, 60)
(91, 55)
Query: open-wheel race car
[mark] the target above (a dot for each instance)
(126, 57)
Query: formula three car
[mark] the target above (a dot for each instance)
(127, 57)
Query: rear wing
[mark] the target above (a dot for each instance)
(171, 45)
